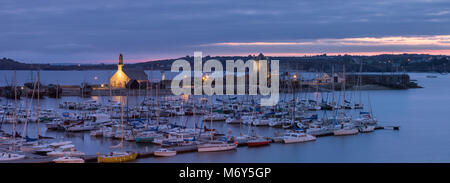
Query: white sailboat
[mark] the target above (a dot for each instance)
(216, 146)
(212, 146)
(165, 153)
(68, 160)
(5, 156)
(297, 137)
(345, 129)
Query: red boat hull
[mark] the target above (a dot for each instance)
(258, 143)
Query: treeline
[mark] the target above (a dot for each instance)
(319, 63)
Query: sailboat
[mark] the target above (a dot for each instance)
(165, 153)
(5, 156)
(215, 145)
(68, 160)
(345, 129)
(117, 157)
(360, 104)
(252, 139)
(258, 142)
(367, 122)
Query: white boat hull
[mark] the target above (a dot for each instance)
(165, 154)
(306, 138)
(342, 132)
(68, 160)
(212, 148)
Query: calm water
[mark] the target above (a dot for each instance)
(424, 135)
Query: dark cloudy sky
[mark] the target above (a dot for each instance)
(88, 31)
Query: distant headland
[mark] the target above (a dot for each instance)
(321, 63)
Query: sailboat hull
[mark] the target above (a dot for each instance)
(117, 159)
(258, 143)
(212, 148)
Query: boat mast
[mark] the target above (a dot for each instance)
(110, 102)
(121, 119)
(332, 86)
(147, 97)
(15, 111)
(370, 105)
(211, 119)
(57, 100)
(360, 83)
(38, 98)
(193, 116)
(343, 83)
(29, 110)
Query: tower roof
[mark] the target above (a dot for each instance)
(121, 59)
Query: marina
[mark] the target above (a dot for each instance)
(72, 127)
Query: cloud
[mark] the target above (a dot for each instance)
(434, 40)
(75, 31)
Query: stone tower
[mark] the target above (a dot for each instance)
(120, 65)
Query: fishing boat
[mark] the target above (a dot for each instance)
(297, 137)
(68, 160)
(216, 146)
(258, 142)
(165, 153)
(4, 156)
(116, 157)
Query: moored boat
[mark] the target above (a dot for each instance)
(258, 142)
(68, 160)
(216, 146)
(366, 129)
(345, 129)
(116, 157)
(297, 137)
(4, 156)
(165, 153)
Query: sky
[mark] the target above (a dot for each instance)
(96, 31)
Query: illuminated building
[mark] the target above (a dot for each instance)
(128, 77)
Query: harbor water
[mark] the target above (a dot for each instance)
(422, 114)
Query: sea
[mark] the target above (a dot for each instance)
(423, 115)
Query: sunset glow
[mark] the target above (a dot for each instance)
(436, 40)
